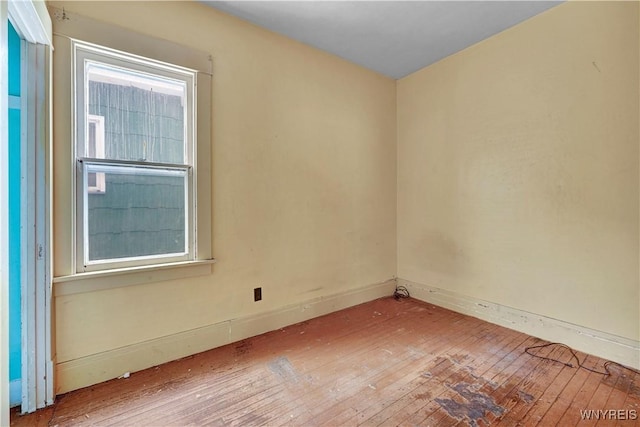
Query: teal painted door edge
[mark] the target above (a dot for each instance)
(15, 215)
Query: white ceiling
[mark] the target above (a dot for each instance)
(394, 38)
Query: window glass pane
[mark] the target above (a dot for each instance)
(144, 114)
(140, 213)
(91, 141)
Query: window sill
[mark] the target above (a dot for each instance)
(117, 278)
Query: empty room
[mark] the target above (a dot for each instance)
(320, 213)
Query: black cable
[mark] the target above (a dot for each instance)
(401, 292)
(579, 364)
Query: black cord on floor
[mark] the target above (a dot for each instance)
(401, 292)
(579, 364)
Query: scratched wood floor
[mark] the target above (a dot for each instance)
(385, 362)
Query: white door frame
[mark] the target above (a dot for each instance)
(31, 20)
(34, 277)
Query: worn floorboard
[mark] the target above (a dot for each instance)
(384, 363)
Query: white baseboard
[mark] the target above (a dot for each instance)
(96, 368)
(598, 343)
(15, 393)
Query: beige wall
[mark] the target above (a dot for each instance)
(518, 169)
(304, 189)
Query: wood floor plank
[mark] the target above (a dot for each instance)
(383, 363)
(471, 382)
(417, 410)
(40, 418)
(502, 377)
(332, 393)
(497, 352)
(532, 389)
(580, 401)
(421, 389)
(333, 396)
(338, 381)
(632, 401)
(563, 401)
(436, 343)
(598, 402)
(490, 394)
(550, 395)
(361, 409)
(619, 381)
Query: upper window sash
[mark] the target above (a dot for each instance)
(165, 77)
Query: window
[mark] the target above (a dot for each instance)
(135, 160)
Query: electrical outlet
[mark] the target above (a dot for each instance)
(257, 294)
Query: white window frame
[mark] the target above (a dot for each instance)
(83, 53)
(98, 149)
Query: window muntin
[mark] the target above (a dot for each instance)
(135, 132)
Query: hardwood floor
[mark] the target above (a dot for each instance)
(388, 362)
